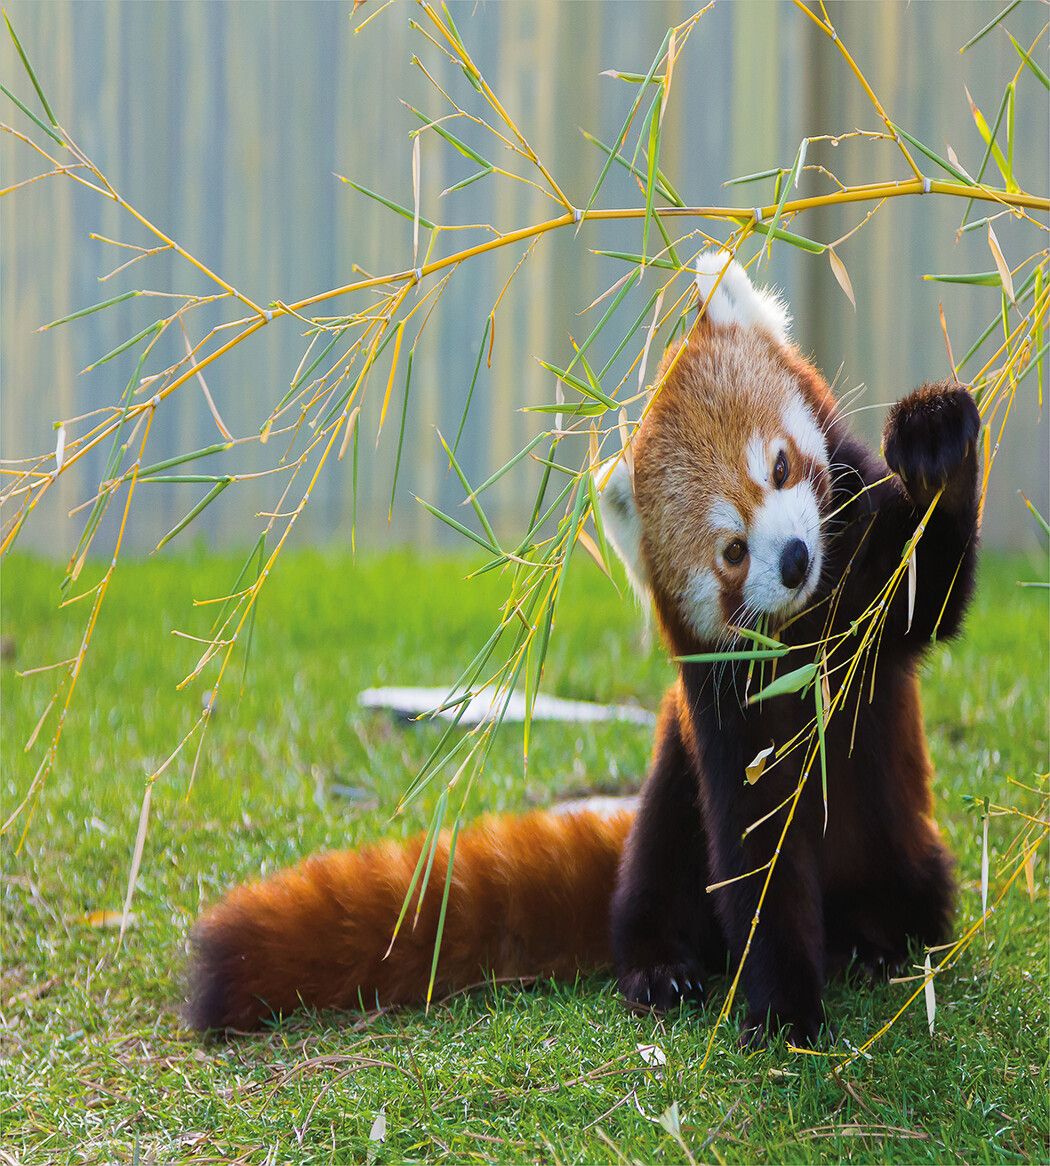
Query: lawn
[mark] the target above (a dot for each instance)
(96, 1066)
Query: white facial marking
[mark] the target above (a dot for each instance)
(800, 423)
(724, 516)
(758, 460)
(783, 516)
(701, 603)
(737, 300)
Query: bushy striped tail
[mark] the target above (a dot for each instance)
(529, 897)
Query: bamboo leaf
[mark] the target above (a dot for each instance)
(621, 137)
(948, 167)
(404, 211)
(574, 382)
(664, 187)
(989, 138)
(88, 311)
(819, 698)
(640, 260)
(978, 278)
(990, 25)
(522, 453)
(1036, 515)
(756, 177)
(473, 382)
(149, 330)
(930, 993)
(792, 239)
(443, 911)
(458, 526)
(652, 154)
(791, 181)
(738, 654)
(32, 76)
(1029, 62)
(32, 116)
(206, 501)
(471, 494)
(790, 682)
(456, 143)
(401, 431)
(484, 172)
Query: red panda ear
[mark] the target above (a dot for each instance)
(622, 522)
(732, 298)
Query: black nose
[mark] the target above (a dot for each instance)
(794, 563)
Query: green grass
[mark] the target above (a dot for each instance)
(96, 1067)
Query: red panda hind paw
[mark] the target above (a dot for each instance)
(929, 436)
(662, 987)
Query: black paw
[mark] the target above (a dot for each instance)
(929, 435)
(802, 1031)
(662, 987)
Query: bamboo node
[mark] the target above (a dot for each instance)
(418, 273)
(577, 214)
(267, 314)
(925, 185)
(757, 212)
(154, 401)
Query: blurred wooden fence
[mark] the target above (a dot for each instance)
(224, 123)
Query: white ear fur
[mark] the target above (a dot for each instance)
(736, 299)
(622, 522)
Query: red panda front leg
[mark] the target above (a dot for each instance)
(930, 443)
(664, 931)
(784, 959)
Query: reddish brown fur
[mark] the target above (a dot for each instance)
(530, 897)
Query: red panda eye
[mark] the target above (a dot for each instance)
(780, 470)
(735, 551)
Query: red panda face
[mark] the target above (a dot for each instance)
(724, 522)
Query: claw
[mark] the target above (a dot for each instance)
(674, 984)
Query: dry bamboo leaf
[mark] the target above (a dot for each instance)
(351, 422)
(671, 49)
(1001, 264)
(931, 995)
(1029, 875)
(757, 766)
(591, 547)
(136, 858)
(838, 269)
(652, 1054)
(60, 447)
(642, 365)
(912, 587)
(595, 456)
(103, 918)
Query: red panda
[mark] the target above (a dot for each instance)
(747, 501)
